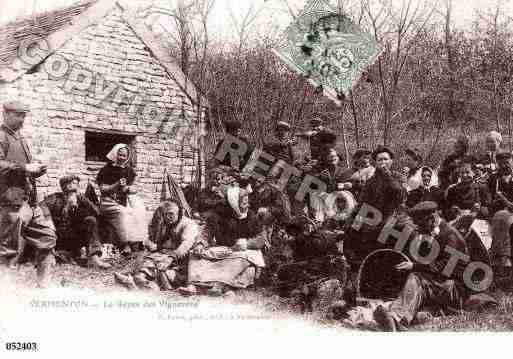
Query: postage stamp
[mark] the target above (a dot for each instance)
(328, 47)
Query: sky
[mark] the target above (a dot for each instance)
(270, 12)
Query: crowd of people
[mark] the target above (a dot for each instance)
(249, 231)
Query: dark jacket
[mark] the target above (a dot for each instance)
(14, 155)
(422, 194)
(282, 150)
(465, 196)
(332, 175)
(449, 237)
(496, 183)
(72, 220)
(110, 174)
(384, 192)
(230, 229)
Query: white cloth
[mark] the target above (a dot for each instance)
(324, 205)
(113, 154)
(136, 219)
(415, 181)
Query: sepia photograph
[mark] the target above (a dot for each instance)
(286, 178)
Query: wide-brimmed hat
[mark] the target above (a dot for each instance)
(283, 125)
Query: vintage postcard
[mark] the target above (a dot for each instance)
(255, 178)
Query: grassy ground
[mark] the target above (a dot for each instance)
(102, 282)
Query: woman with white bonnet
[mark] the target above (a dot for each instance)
(115, 180)
(236, 258)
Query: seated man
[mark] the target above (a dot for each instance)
(74, 217)
(25, 229)
(466, 194)
(426, 285)
(501, 188)
(175, 236)
(426, 191)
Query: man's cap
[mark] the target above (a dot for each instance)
(327, 138)
(63, 181)
(423, 209)
(232, 125)
(503, 156)
(358, 154)
(414, 153)
(316, 121)
(13, 196)
(16, 106)
(382, 149)
(283, 125)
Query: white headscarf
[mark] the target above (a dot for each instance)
(233, 194)
(415, 181)
(113, 154)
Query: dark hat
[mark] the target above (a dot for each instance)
(16, 106)
(358, 154)
(316, 121)
(63, 181)
(423, 209)
(13, 196)
(382, 149)
(503, 156)
(326, 138)
(232, 125)
(283, 125)
(414, 153)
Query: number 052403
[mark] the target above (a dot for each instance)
(28, 346)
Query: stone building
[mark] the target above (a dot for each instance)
(94, 75)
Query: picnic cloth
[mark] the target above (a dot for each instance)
(237, 269)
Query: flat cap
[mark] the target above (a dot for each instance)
(16, 106)
(232, 125)
(503, 156)
(382, 149)
(283, 125)
(13, 196)
(423, 209)
(316, 121)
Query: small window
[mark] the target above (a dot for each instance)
(98, 144)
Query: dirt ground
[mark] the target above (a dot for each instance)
(102, 282)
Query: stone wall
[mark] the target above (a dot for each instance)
(112, 83)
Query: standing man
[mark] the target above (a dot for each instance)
(23, 223)
(451, 163)
(283, 147)
(16, 169)
(385, 193)
(233, 128)
(317, 138)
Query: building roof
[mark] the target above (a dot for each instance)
(40, 25)
(57, 27)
